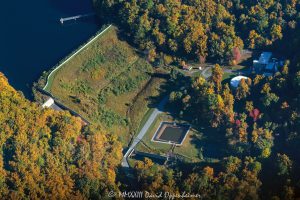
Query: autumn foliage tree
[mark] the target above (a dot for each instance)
(236, 56)
(217, 77)
(153, 178)
(243, 89)
(51, 155)
(204, 30)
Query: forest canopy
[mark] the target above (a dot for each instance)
(206, 29)
(48, 154)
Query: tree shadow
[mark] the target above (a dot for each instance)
(124, 36)
(187, 168)
(211, 143)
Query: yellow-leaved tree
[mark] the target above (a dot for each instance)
(50, 154)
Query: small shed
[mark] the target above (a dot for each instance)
(48, 103)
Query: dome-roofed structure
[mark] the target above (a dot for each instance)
(236, 81)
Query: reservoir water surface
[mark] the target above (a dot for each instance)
(32, 40)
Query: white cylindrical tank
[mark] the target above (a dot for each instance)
(236, 81)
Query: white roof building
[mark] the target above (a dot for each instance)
(236, 81)
(265, 58)
(48, 103)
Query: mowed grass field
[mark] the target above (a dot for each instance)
(109, 84)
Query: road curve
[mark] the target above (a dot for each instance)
(144, 130)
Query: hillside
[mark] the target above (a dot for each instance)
(109, 84)
(47, 154)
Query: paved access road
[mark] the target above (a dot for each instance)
(144, 130)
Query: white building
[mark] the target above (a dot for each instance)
(235, 82)
(265, 57)
(48, 103)
(266, 64)
(263, 60)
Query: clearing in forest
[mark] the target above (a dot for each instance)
(109, 84)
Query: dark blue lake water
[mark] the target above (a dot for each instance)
(32, 40)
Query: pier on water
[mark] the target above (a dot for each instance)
(62, 20)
